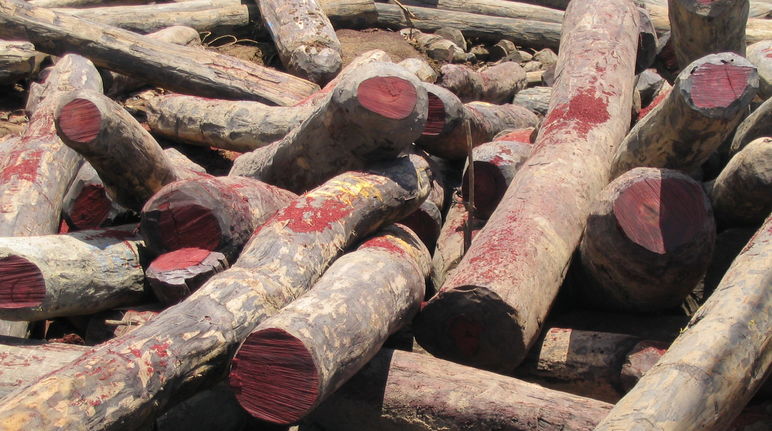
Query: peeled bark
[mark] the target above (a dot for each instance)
(315, 344)
(17, 61)
(373, 114)
(175, 275)
(187, 346)
(718, 362)
(706, 104)
(490, 311)
(496, 84)
(760, 54)
(65, 275)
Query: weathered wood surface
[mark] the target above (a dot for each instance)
(406, 391)
(351, 13)
(495, 84)
(175, 275)
(537, 99)
(757, 125)
(86, 204)
(125, 382)
(719, 361)
(435, 46)
(426, 222)
(490, 311)
(756, 28)
(65, 275)
(509, 9)
(119, 321)
(82, 3)
(17, 61)
(658, 327)
(420, 68)
(318, 342)
(452, 241)
(706, 104)
(184, 69)
(374, 112)
(760, 54)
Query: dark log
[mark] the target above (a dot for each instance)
(64, 275)
(452, 241)
(742, 193)
(420, 68)
(658, 327)
(639, 360)
(315, 344)
(647, 42)
(185, 69)
(435, 46)
(490, 311)
(660, 95)
(757, 125)
(374, 113)
(756, 29)
(496, 84)
(410, 392)
(218, 214)
(706, 104)
(648, 84)
(17, 61)
(351, 13)
(719, 361)
(537, 99)
(760, 54)
(125, 382)
(175, 275)
(426, 222)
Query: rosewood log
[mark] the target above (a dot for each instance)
(509, 9)
(420, 68)
(760, 54)
(537, 99)
(351, 13)
(17, 61)
(175, 275)
(87, 205)
(490, 311)
(757, 125)
(453, 241)
(496, 84)
(435, 46)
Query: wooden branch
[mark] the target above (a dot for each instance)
(496, 84)
(175, 275)
(489, 312)
(756, 125)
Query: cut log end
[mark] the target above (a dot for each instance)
(191, 226)
(489, 187)
(175, 275)
(179, 259)
(80, 120)
(389, 96)
(720, 85)
(661, 214)
(90, 208)
(274, 377)
(435, 119)
(21, 283)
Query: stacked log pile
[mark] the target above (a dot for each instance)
(514, 215)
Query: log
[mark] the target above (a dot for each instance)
(660, 226)
(435, 46)
(489, 312)
(537, 99)
(65, 275)
(757, 125)
(420, 68)
(639, 360)
(509, 9)
(452, 241)
(366, 296)
(218, 214)
(648, 83)
(647, 42)
(706, 376)
(351, 13)
(426, 222)
(374, 113)
(304, 38)
(707, 102)
(184, 69)
(17, 61)
(87, 205)
(406, 391)
(496, 84)
(699, 28)
(175, 275)
(657, 327)
(125, 382)
(109, 324)
(81, 3)
(741, 193)
(760, 54)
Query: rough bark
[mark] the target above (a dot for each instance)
(760, 54)
(186, 346)
(218, 214)
(490, 311)
(426, 222)
(757, 125)
(537, 99)
(184, 69)
(719, 361)
(81, 3)
(705, 105)
(700, 27)
(175, 275)
(742, 193)
(17, 61)
(65, 275)
(496, 84)
(365, 296)
(451, 242)
(648, 84)
(435, 46)
(410, 392)
(374, 113)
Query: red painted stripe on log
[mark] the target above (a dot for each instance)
(21, 283)
(489, 186)
(189, 226)
(180, 259)
(80, 120)
(718, 85)
(388, 96)
(581, 114)
(22, 165)
(660, 215)
(274, 376)
(90, 208)
(435, 119)
(304, 216)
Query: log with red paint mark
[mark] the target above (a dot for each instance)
(648, 241)
(426, 222)
(124, 383)
(375, 112)
(490, 310)
(452, 241)
(496, 84)
(720, 359)
(62, 275)
(315, 344)
(107, 325)
(706, 104)
(217, 214)
(173, 276)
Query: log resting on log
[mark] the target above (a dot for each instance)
(187, 70)
(375, 112)
(17, 61)
(718, 362)
(496, 84)
(175, 275)
(426, 222)
(757, 125)
(87, 205)
(365, 296)
(125, 382)
(64, 275)
(410, 392)
(705, 105)
(509, 9)
(435, 46)
(452, 242)
(760, 54)
(420, 68)
(490, 311)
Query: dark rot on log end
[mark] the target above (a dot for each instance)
(435, 119)
(274, 377)
(719, 85)
(661, 214)
(188, 226)
(489, 187)
(80, 121)
(180, 259)
(21, 283)
(389, 96)
(90, 208)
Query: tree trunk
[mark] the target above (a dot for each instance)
(410, 392)
(218, 214)
(706, 104)
(716, 365)
(184, 69)
(757, 125)
(509, 9)
(490, 311)
(760, 54)
(82, 3)
(125, 382)
(87, 205)
(367, 295)
(175, 275)
(374, 113)
(659, 327)
(537, 99)
(17, 61)
(351, 13)
(66, 275)
(452, 242)
(496, 84)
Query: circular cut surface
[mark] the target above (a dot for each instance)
(189, 226)
(718, 85)
(180, 259)
(80, 120)
(21, 283)
(388, 96)
(435, 119)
